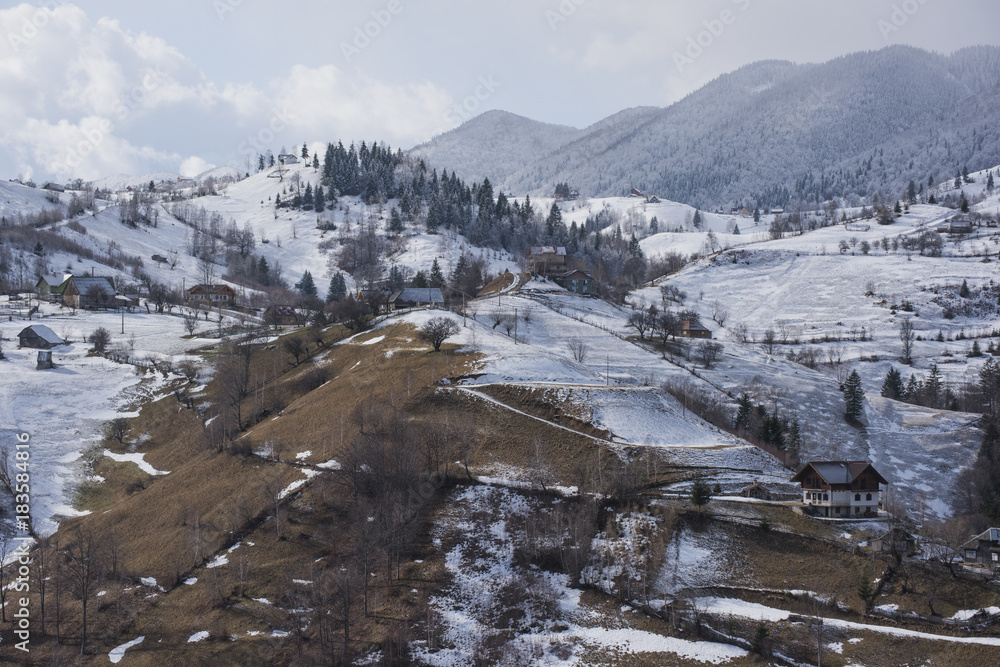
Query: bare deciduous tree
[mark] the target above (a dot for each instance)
(719, 314)
(437, 330)
(709, 352)
(769, 340)
(907, 336)
(579, 349)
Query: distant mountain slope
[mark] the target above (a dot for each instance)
(772, 132)
(497, 142)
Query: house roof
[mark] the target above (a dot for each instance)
(212, 289)
(548, 250)
(282, 310)
(572, 274)
(755, 485)
(418, 295)
(838, 472)
(54, 281)
(688, 325)
(43, 332)
(988, 535)
(85, 283)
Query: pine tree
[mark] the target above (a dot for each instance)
(306, 286)
(932, 199)
(893, 385)
(305, 151)
(989, 182)
(913, 390)
(854, 396)
(553, 221)
(419, 280)
(794, 440)
(736, 229)
(260, 163)
(307, 197)
(263, 272)
(437, 278)
(315, 160)
(461, 266)
(319, 199)
(654, 226)
(701, 493)
(697, 219)
(756, 215)
(337, 290)
(963, 291)
(743, 412)
(964, 204)
(395, 221)
(634, 249)
(933, 387)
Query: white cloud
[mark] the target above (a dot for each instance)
(194, 166)
(86, 99)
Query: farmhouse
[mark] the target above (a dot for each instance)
(281, 316)
(213, 295)
(580, 282)
(983, 550)
(288, 158)
(38, 336)
(412, 297)
(545, 259)
(52, 286)
(89, 292)
(840, 489)
(695, 329)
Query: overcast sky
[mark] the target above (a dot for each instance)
(101, 87)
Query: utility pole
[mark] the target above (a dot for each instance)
(607, 371)
(123, 317)
(515, 326)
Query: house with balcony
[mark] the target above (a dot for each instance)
(841, 489)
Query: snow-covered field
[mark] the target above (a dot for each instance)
(64, 409)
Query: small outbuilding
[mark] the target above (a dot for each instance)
(756, 490)
(38, 336)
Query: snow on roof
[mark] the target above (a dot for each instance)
(548, 250)
(419, 295)
(85, 283)
(43, 332)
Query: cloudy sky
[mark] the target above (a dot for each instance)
(101, 87)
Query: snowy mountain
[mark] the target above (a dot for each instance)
(771, 132)
(504, 143)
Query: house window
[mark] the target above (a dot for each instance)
(837, 510)
(868, 496)
(857, 496)
(970, 553)
(826, 496)
(996, 557)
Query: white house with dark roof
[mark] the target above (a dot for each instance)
(841, 489)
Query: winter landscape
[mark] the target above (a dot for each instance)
(409, 379)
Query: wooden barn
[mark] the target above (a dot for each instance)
(38, 336)
(89, 292)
